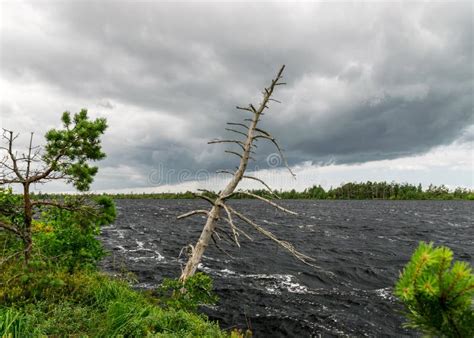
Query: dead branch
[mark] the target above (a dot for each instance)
(267, 201)
(263, 183)
(218, 247)
(191, 213)
(231, 223)
(28, 159)
(225, 172)
(234, 153)
(204, 197)
(9, 181)
(212, 193)
(271, 139)
(286, 245)
(228, 237)
(262, 131)
(236, 131)
(239, 143)
(238, 124)
(245, 234)
(243, 108)
(10, 139)
(237, 229)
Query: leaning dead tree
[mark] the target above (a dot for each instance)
(248, 133)
(64, 157)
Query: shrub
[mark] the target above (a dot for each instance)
(437, 294)
(107, 211)
(10, 213)
(195, 291)
(69, 237)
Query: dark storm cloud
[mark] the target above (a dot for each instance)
(365, 81)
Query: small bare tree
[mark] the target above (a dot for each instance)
(65, 157)
(250, 133)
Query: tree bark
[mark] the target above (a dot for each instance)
(28, 211)
(202, 244)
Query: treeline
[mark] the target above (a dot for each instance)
(348, 191)
(381, 190)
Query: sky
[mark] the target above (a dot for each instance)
(379, 91)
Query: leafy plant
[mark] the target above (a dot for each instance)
(11, 214)
(187, 295)
(107, 212)
(436, 293)
(69, 237)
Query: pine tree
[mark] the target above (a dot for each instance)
(66, 157)
(437, 294)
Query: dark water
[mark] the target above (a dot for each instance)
(360, 247)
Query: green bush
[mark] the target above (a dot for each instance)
(107, 211)
(437, 294)
(11, 212)
(69, 237)
(195, 291)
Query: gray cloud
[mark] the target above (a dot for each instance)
(365, 82)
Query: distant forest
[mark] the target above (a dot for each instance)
(348, 191)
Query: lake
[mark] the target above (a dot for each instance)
(359, 246)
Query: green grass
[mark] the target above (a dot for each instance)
(93, 304)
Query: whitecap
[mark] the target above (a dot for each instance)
(158, 258)
(281, 282)
(385, 293)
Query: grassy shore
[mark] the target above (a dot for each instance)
(60, 292)
(51, 302)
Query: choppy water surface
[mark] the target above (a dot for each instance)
(360, 247)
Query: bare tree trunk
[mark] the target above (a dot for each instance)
(28, 211)
(251, 133)
(213, 215)
(202, 243)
